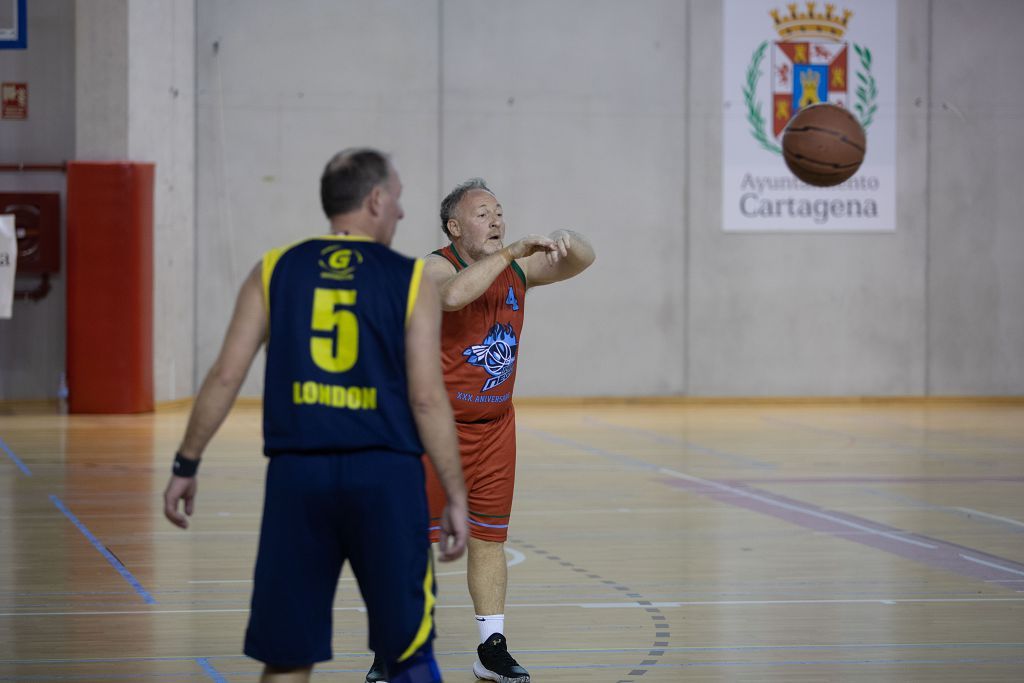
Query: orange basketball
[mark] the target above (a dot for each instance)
(823, 145)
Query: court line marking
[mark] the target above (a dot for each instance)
(944, 555)
(17, 461)
(991, 564)
(546, 605)
(107, 555)
(972, 511)
(204, 664)
(939, 554)
(802, 509)
(517, 558)
(542, 651)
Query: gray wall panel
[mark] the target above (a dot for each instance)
(575, 114)
(287, 85)
(976, 275)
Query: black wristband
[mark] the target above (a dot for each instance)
(184, 467)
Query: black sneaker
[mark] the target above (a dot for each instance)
(376, 672)
(496, 664)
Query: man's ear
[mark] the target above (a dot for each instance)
(453, 228)
(374, 199)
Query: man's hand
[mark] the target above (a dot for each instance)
(454, 532)
(179, 489)
(562, 240)
(531, 244)
(569, 256)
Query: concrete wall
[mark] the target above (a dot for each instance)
(135, 88)
(32, 342)
(603, 116)
(281, 87)
(975, 252)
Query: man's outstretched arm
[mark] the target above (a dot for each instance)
(458, 289)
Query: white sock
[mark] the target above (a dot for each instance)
(490, 624)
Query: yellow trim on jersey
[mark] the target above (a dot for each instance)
(414, 288)
(270, 260)
(427, 624)
(339, 236)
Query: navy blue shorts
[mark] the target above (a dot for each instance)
(320, 510)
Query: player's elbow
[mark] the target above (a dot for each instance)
(452, 301)
(226, 376)
(587, 259)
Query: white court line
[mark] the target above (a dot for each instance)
(991, 564)
(516, 558)
(548, 605)
(795, 508)
(972, 511)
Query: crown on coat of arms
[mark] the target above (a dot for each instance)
(812, 23)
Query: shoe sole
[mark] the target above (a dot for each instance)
(486, 674)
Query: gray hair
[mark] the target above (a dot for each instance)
(449, 203)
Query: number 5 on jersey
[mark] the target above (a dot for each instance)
(334, 344)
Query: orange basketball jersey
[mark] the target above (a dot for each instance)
(480, 345)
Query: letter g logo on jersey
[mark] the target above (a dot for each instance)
(338, 262)
(496, 355)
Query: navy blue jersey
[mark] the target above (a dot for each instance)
(335, 377)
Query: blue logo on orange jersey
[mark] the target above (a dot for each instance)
(496, 355)
(511, 299)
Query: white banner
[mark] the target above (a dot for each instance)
(779, 57)
(8, 263)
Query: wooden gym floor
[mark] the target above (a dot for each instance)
(650, 542)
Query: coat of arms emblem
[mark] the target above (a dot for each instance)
(810, 64)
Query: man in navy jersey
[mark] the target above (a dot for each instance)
(353, 395)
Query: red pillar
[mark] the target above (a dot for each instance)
(110, 287)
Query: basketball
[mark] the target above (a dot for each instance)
(823, 145)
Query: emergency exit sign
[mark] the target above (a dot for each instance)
(15, 101)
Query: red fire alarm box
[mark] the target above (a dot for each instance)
(14, 97)
(37, 226)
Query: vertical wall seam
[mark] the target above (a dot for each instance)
(195, 198)
(687, 210)
(927, 346)
(440, 106)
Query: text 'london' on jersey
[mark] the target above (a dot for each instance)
(496, 355)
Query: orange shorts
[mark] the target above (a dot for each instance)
(488, 452)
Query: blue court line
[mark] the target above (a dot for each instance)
(109, 556)
(17, 461)
(210, 671)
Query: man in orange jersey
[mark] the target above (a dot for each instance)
(483, 284)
